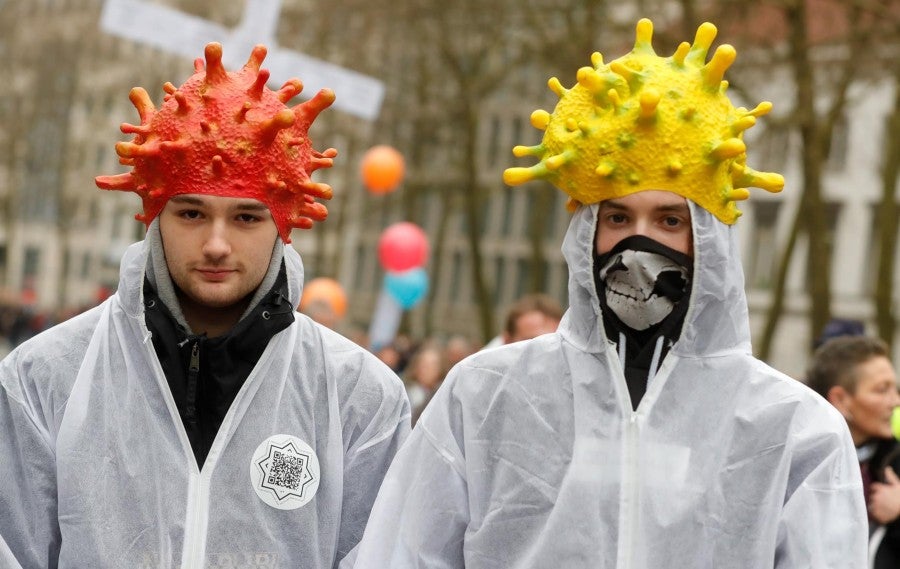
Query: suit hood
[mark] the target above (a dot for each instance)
(717, 320)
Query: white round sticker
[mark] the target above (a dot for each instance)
(284, 472)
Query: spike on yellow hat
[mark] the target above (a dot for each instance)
(646, 122)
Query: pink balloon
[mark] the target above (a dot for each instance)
(402, 246)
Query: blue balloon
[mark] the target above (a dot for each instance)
(407, 287)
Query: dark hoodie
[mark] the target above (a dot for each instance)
(205, 374)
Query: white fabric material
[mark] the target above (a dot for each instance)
(530, 455)
(96, 469)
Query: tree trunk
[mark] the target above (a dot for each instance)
(473, 202)
(537, 231)
(437, 258)
(814, 143)
(885, 318)
(778, 291)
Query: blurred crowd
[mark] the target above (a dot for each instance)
(422, 363)
(19, 322)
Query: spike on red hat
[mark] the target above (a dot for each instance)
(226, 134)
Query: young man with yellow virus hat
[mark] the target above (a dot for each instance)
(643, 433)
(196, 419)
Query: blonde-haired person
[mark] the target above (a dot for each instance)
(856, 375)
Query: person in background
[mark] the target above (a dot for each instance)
(855, 374)
(195, 418)
(321, 312)
(837, 327)
(643, 433)
(458, 348)
(423, 376)
(529, 316)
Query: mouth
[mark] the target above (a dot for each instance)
(215, 275)
(630, 293)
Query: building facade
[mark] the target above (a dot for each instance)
(61, 238)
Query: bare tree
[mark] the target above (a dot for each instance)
(468, 49)
(887, 221)
(816, 83)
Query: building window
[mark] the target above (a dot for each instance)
(523, 277)
(839, 144)
(870, 275)
(456, 283)
(32, 262)
(774, 145)
(499, 279)
(507, 213)
(494, 144)
(832, 215)
(85, 265)
(763, 249)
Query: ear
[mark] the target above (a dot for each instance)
(841, 399)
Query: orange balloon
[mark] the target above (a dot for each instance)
(382, 169)
(327, 290)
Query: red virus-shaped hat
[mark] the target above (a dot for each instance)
(226, 134)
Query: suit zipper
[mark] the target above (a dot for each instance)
(193, 383)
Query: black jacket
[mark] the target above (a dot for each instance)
(887, 555)
(205, 374)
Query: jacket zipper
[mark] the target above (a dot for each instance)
(196, 531)
(192, 383)
(631, 489)
(630, 493)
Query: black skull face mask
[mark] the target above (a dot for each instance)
(641, 281)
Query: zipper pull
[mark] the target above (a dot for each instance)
(193, 383)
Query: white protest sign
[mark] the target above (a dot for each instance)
(177, 32)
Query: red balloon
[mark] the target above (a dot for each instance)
(327, 290)
(402, 246)
(382, 169)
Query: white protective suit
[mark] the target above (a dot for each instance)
(96, 470)
(530, 455)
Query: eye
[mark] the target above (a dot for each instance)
(673, 222)
(247, 218)
(617, 218)
(189, 214)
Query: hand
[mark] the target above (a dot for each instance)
(884, 499)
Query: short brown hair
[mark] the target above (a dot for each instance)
(538, 302)
(835, 362)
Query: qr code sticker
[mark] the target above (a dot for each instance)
(286, 471)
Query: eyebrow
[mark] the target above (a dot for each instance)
(244, 206)
(680, 207)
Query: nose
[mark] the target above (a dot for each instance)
(217, 244)
(895, 400)
(643, 226)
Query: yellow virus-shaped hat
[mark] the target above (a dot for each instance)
(645, 122)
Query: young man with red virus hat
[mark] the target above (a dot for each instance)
(643, 433)
(196, 419)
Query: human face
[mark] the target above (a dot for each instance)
(531, 325)
(217, 249)
(869, 408)
(657, 214)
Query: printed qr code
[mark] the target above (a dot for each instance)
(286, 470)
